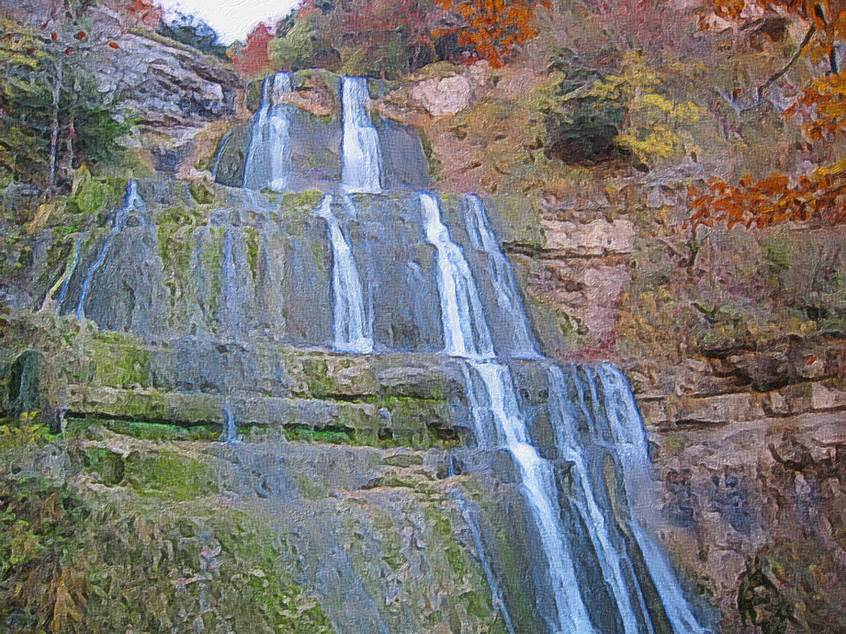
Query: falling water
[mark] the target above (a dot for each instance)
(502, 275)
(362, 156)
(218, 155)
(475, 532)
(131, 202)
(268, 162)
(608, 545)
(353, 332)
(626, 426)
(466, 334)
(66, 277)
(230, 428)
(231, 306)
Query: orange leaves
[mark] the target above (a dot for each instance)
(822, 107)
(253, 59)
(773, 200)
(493, 28)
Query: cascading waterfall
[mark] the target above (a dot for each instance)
(131, 202)
(268, 162)
(499, 422)
(502, 275)
(353, 332)
(595, 512)
(230, 427)
(231, 306)
(466, 331)
(467, 335)
(362, 156)
(626, 426)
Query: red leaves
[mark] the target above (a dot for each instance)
(772, 200)
(145, 12)
(113, 44)
(494, 27)
(253, 59)
(54, 37)
(80, 36)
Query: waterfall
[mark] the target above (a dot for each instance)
(218, 155)
(497, 599)
(230, 308)
(502, 275)
(353, 332)
(626, 426)
(131, 202)
(230, 427)
(362, 156)
(268, 162)
(466, 331)
(616, 567)
(466, 334)
(500, 423)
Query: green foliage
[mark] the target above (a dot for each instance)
(88, 123)
(581, 125)
(298, 47)
(194, 32)
(590, 117)
(655, 126)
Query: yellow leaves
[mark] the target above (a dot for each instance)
(661, 142)
(822, 107)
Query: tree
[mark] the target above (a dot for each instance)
(494, 28)
(55, 117)
(191, 30)
(254, 58)
(819, 194)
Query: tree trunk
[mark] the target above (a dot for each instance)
(54, 124)
(69, 151)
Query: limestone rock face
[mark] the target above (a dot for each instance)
(756, 511)
(443, 96)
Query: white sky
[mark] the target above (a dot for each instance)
(232, 19)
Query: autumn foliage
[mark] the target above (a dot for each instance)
(144, 13)
(773, 200)
(493, 28)
(821, 109)
(253, 58)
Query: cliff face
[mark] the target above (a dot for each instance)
(733, 340)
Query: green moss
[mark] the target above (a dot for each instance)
(144, 430)
(106, 464)
(169, 475)
(329, 435)
(211, 257)
(201, 193)
(97, 195)
(300, 204)
(121, 366)
(251, 238)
